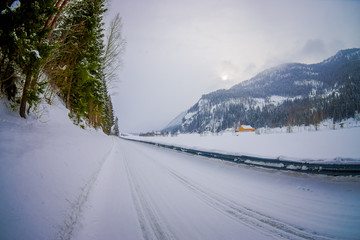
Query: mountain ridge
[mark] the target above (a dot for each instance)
(288, 94)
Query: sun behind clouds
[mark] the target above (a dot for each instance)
(225, 77)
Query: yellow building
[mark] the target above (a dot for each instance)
(246, 128)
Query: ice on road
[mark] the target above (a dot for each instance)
(145, 192)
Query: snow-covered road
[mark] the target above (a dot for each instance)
(145, 192)
(58, 181)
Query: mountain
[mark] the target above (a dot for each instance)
(286, 95)
(176, 122)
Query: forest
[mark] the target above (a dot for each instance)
(303, 111)
(58, 47)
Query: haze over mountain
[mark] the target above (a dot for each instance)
(286, 95)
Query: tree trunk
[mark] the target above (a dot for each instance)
(48, 22)
(34, 80)
(25, 94)
(56, 17)
(68, 95)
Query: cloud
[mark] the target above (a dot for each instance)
(229, 69)
(316, 50)
(314, 47)
(250, 70)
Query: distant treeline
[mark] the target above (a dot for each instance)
(307, 111)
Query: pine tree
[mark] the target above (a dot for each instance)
(34, 15)
(23, 48)
(108, 115)
(9, 22)
(76, 67)
(116, 126)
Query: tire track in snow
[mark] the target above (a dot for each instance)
(151, 225)
(249, 217)
(73, 215)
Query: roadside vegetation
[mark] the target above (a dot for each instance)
(58, 47)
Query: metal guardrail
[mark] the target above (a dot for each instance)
(334, 169)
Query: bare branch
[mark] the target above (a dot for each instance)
(115, 47)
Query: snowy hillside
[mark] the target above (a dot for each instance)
(47, 169)
(287, 95)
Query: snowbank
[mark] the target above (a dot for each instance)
(325, 145)
(47, 168)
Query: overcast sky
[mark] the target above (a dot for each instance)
(178, 50)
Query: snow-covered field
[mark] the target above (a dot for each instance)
(58, 181)
(323, 145)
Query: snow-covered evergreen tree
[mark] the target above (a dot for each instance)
(116, 126)
(76, 67)
(23, 51)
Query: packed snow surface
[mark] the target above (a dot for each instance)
(58, 181)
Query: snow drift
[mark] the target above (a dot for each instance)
(47, 168)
